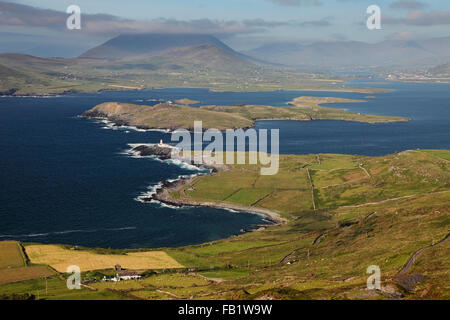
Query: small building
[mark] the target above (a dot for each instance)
(130, 275)
(110, 279)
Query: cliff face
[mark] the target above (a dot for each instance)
(162, 153)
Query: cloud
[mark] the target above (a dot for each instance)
(408, 5)
(325, 22)
(421, 18)
(265, 23)
(107, 25)
(297, 3)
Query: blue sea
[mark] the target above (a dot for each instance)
(65, 179)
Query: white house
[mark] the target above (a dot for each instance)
(131, 275)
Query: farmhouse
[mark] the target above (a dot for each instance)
(130, 275)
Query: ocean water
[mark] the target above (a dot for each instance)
(65, 179)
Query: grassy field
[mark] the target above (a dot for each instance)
(60, 258)
(11, 255)
(13, 265)
(369, 211)
(25, 273)
(56, 289)
(337, 180)
(167, 116)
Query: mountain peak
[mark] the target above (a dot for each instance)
(130, 45)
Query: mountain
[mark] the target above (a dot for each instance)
(137, 62)
(132, 45)
(353, 54)
(199, 57)
(182, 52)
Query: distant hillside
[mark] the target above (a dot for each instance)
(132, 45)
(145, 61)
(441, 70)
(356, 54)
(198, 57)
(9, 72)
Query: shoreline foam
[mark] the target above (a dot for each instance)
(160, 192)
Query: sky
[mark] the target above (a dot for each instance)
(39, 26)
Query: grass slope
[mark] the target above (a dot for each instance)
(370, 211)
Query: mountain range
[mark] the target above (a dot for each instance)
(354, 54)
(180, 60)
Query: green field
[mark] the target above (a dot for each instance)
(369, 211)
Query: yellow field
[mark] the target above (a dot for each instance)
(25, 273)
(60, 258)
(10, 255)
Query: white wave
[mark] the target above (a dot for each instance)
(108, 125)
(34, 235)
(231, 210)
(181, 163)
(184, 165)
(165, 205)
(151, 191)
(119, 229)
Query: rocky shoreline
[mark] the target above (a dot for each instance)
(163, 191)
(117, 122)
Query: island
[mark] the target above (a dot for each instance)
(172, 116)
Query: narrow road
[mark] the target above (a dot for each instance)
(286, 258)
(414, 257)
(312, 189)
(365, 170)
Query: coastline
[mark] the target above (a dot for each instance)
(161, 192)
(111, 124)
(363, 90)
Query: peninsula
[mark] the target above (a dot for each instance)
(342, 213)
